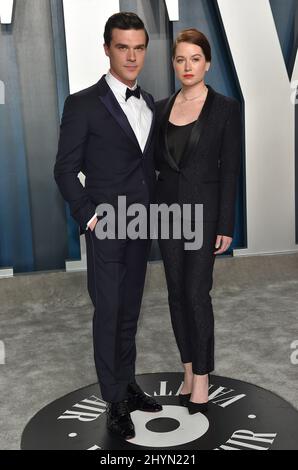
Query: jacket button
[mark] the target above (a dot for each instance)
(143, 182)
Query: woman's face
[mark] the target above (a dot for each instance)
(190, 64)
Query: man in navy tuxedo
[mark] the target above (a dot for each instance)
(107, 132)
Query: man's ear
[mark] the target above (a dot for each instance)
(107, 50)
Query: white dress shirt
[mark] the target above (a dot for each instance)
(136, 111)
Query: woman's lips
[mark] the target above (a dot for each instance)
(188, 75)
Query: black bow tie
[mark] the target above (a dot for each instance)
(136, 93)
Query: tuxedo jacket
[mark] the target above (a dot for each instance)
(208, 171)
(97, 139)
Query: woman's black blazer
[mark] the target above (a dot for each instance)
(209, 169)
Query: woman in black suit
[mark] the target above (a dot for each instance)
(198, 159)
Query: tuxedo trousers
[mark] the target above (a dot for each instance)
(116, 272)
(189, 276)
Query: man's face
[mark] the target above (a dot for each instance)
(127, 54)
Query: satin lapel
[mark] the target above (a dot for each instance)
(108, 99)
(151, 106)
(164, 130)
(197, 129)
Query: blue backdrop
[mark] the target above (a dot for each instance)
(37, 232)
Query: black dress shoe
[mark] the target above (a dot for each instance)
(119, 421)
(184, 399)
(197, 407)
(138, 400)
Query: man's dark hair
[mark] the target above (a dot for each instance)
(123, 20)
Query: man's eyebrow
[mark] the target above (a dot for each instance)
(126, 45)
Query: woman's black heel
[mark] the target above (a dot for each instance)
(184, 399)
(198, 407)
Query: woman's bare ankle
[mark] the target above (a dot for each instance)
(200, 388)
(188, 379)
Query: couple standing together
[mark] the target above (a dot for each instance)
(118, 137)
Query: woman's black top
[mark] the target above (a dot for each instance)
(178, 137)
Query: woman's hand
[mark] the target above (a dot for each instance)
(223, 242)
(93, 224)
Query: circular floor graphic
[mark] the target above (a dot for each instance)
(241, 416)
